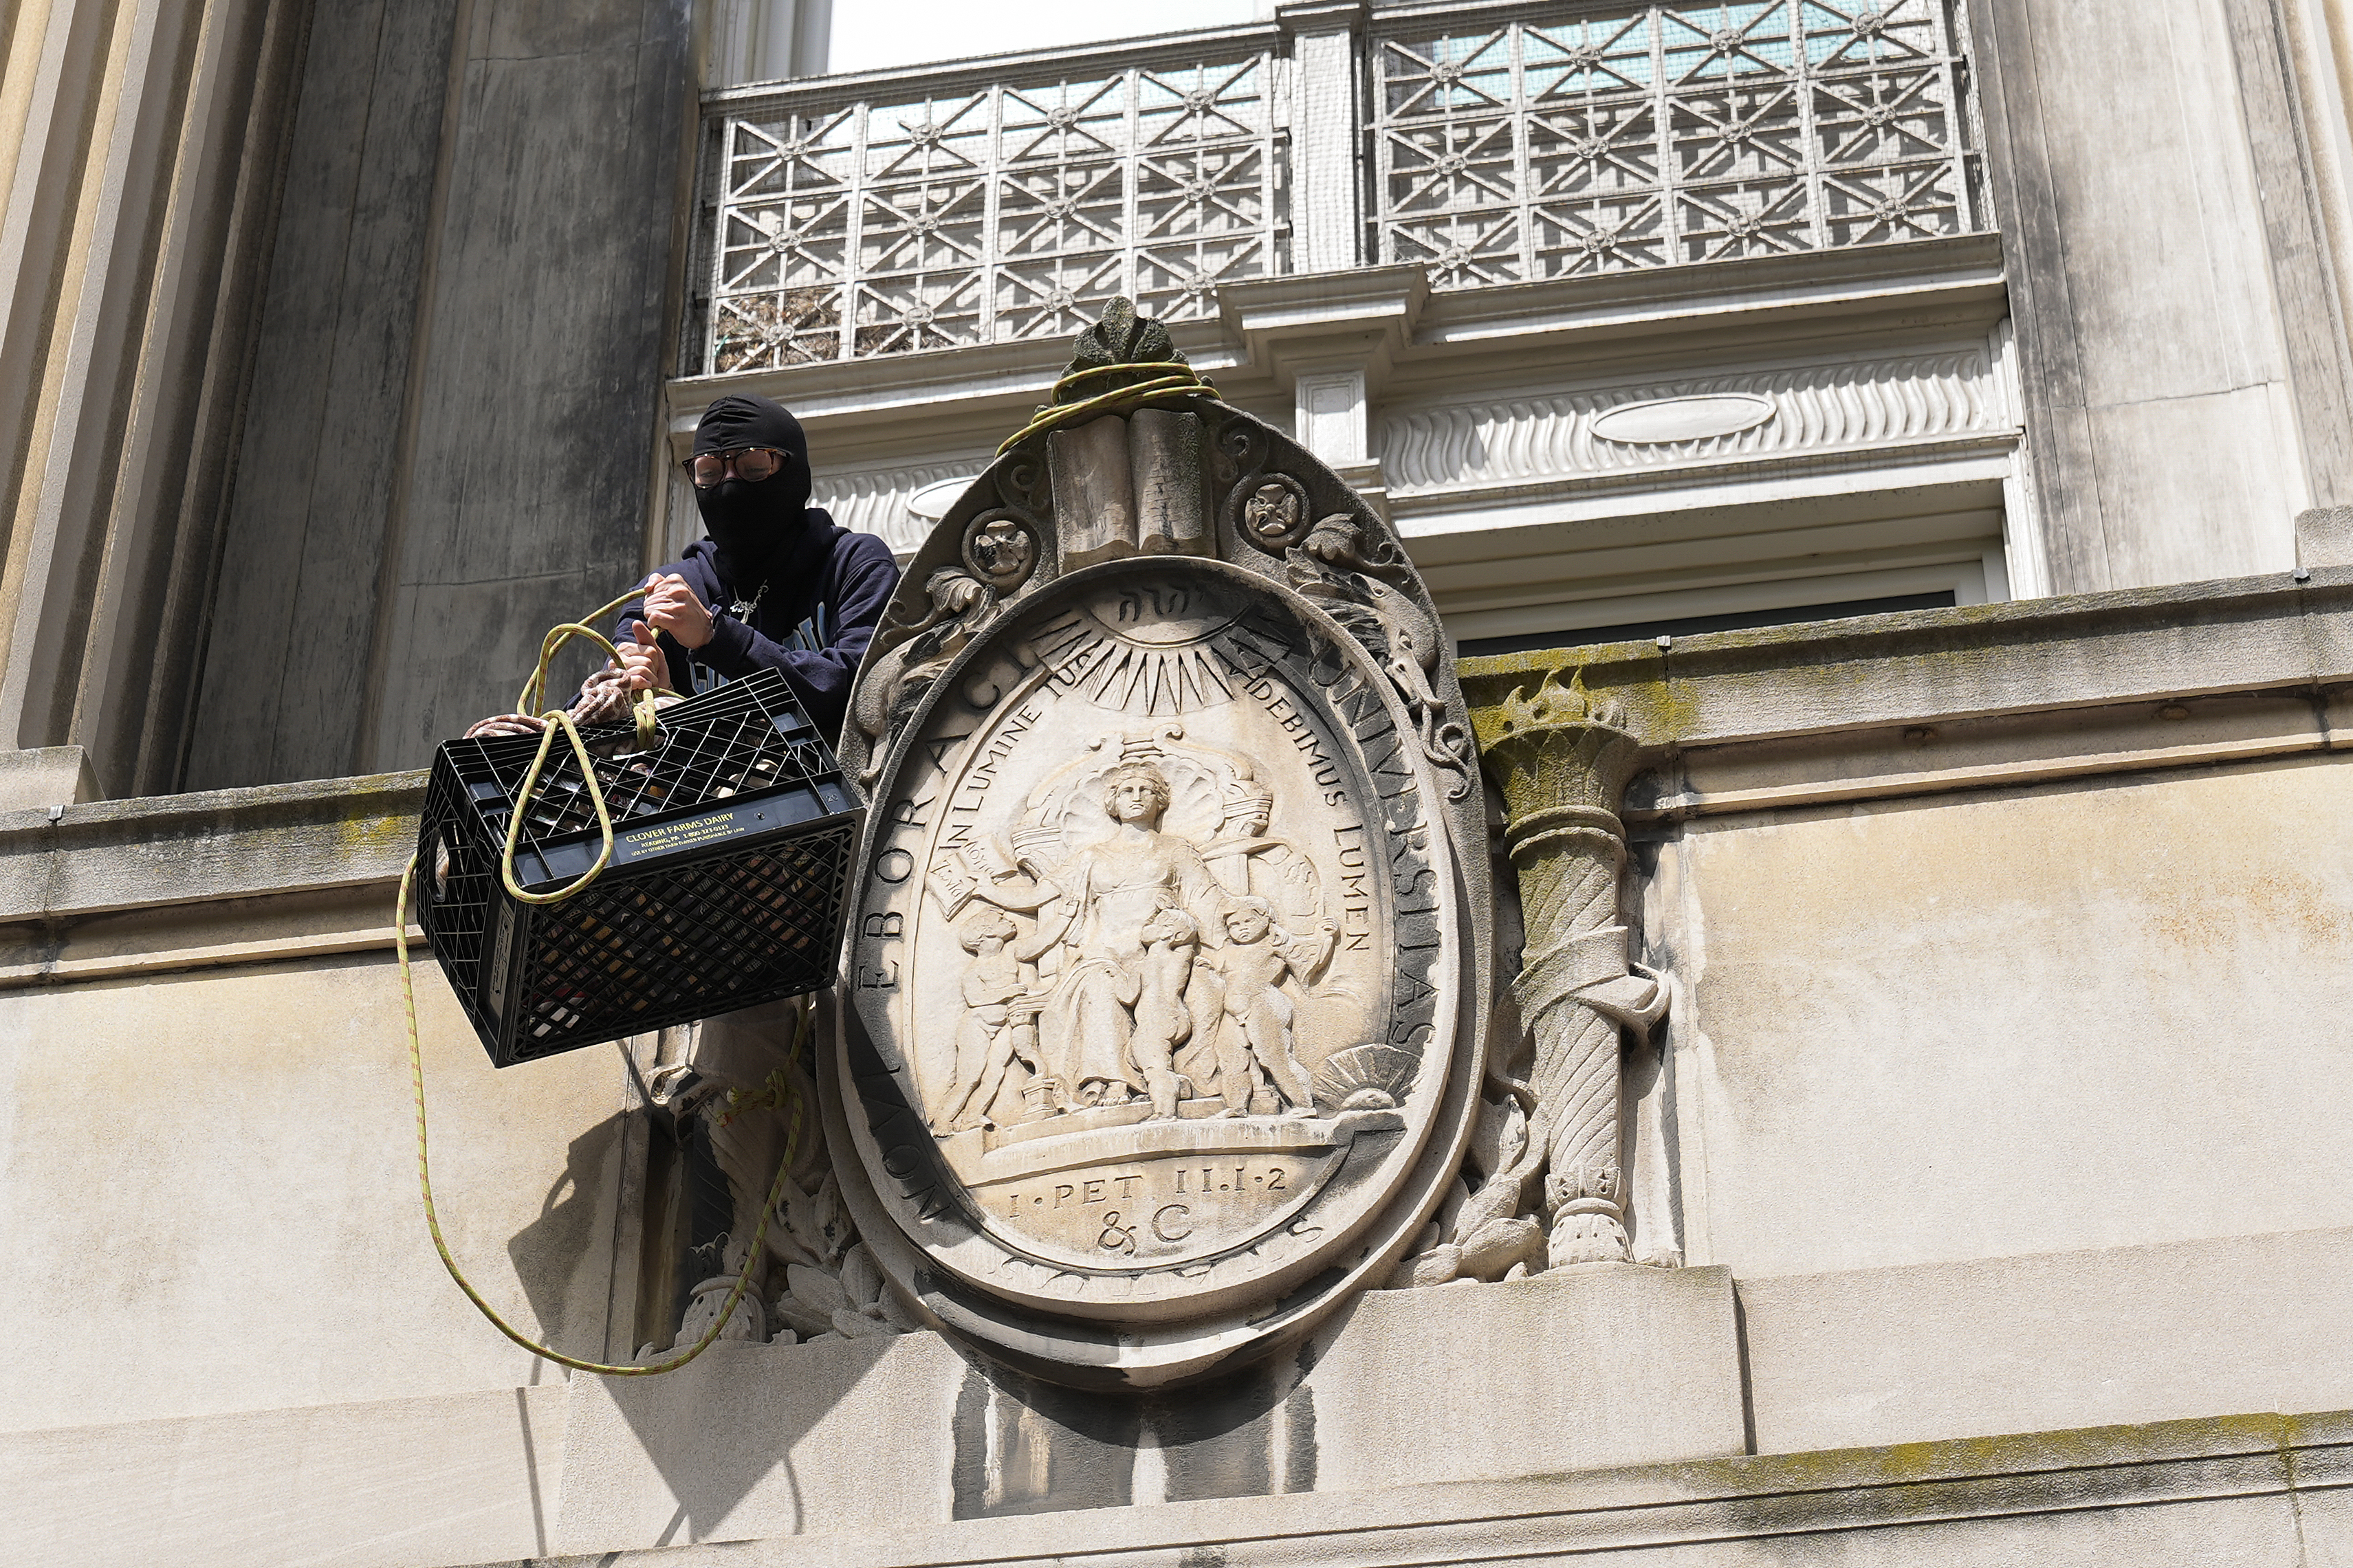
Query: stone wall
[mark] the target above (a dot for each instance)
(450, 443)
(1999, 1123)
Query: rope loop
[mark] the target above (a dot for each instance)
(553, 719)
(1179, 380)
(780, 1087)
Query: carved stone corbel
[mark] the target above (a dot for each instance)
(1562, 761)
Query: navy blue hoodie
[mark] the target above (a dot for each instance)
(825, 596)
(814, 591)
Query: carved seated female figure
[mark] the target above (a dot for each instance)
(1109, 892)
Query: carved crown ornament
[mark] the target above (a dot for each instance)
(1160, 1035)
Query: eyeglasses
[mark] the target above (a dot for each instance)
(752, 464)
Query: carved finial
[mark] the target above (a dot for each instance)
(1120, 337)
(1547, 704)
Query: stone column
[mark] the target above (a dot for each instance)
(1326, 152)
(1562, 761)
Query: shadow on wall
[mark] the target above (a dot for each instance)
(1027, 1446)
(564, 1259)
(786, 1440)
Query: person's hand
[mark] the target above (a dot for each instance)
(501, 724)
(642, 659)
(671, 606)
(604, 697)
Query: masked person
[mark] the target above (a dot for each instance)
(776, 584)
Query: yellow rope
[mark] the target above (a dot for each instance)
(433, 1218)
(780, 1090)
(1181, 379)
(550, 722)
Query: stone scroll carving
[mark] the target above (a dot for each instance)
(1160, 1026)
(731, 1090)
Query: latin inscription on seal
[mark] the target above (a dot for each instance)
(1147, 971)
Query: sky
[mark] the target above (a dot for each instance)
(874, 35)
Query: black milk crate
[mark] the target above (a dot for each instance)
(732, 843)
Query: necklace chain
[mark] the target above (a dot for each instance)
(743, 608)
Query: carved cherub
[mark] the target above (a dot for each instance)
(999, 1019)
(1172, 941)
(1256, 1031)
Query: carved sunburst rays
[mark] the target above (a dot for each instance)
(1112, 672)
(1640, 135)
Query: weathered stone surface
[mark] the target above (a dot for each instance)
(222, 844)
(2053, 1340)
(211, 1195)
(458, 368)
(2006, 1020)
(1163, 991)
(1905, 671)
(1617, 1366)
(455, 1477)
(2323, 536)
(46, 776)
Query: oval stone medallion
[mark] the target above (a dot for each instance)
(1658, 421)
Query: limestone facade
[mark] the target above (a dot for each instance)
(1910, 1120)
(1976, 1260)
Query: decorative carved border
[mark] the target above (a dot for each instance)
(1917, 397)
(875, 500)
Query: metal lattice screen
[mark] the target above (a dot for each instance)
(1558, 140)
(953, 214)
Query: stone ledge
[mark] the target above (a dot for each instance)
(1935, 1501)
(1564, 1372)
(848, 1461)
(1921, 668)
(2062, 1339)
(220, 844)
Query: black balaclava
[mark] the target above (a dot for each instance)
(752, 523)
